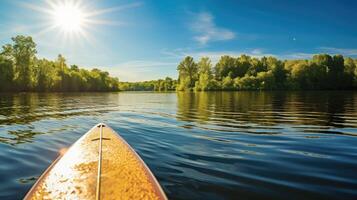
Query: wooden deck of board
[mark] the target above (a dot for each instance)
(74, 176)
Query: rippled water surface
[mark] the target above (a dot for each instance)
(226, 145)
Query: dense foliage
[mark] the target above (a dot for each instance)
(21, 70)
(167, 84)
(268, 73)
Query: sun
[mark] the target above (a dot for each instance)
(74, 21)
(68, 16)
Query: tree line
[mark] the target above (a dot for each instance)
(167, 84)
(22, 71)
(322, 72)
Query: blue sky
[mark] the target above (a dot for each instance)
(143, 40)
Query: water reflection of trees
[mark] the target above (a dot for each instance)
(19, 136)
(25, 108)
(320, 108)
(235, 110)
(30, 107)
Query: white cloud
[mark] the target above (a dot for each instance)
(318, 50)
(142, 64)
(333, 50)
(125, 75)
(140, 70)
(208, 31)
(215, 55)
(298, 55)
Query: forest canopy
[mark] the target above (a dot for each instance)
(322, 72)
(167, 84)
(21, 70)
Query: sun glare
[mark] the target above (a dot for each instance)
(74, 20)
(68, 17)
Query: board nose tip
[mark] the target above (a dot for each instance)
(101, 124)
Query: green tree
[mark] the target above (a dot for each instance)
(6, 74)
(20, 70)
(329, 63)
(45, 75)
(205, 75)
(168, 84)
(22, 53)
(246, 83)
(278, 71)
(350, 80)
(266, 80)
(227, 83)
(309, 75)
(187, 73)
(243, 63)
(224, 66)
(63, 73)
(256, 66)
(323, 59)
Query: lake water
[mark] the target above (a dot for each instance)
(224, 145)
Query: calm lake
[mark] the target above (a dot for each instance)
(215, 145)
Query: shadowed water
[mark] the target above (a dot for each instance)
(224, 145)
